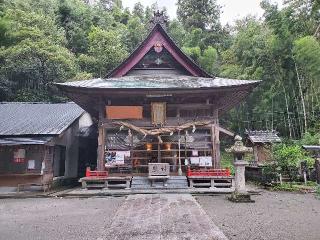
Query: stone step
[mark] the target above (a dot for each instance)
(174, 182)
(95, 186)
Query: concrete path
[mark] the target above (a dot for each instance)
(162, 216)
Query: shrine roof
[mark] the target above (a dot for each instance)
(37, 118)
(263, 136)
(158, 82)
(158, 36)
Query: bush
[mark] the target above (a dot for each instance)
(288, 159)
(310, 139)
(227, 161)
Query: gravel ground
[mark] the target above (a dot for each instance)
(56, 218)
(274, 215)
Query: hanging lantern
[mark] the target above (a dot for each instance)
(149, 146)
(168, 146)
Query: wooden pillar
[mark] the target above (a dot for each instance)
(215, 140)
(101, 138)
(159, 153)
(255, 153)
(213, 150)
(101, 148)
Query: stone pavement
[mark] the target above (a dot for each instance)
(162, 216)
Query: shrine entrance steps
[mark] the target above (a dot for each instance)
(174, 182)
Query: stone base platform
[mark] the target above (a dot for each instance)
(79, 192)
(174, 182)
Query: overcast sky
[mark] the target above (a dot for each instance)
(231, 9)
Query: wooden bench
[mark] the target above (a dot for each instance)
(43, 180)
(94, 179)
(44, 186)
(93, 182)
(118, 182)
(211, 181)
(212, 178)
(106, 182)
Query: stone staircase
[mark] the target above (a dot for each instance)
(174, 182)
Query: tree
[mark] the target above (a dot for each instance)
(135, 33)
(138, 11)
(209, 60)
(36, 65)
(106, 48)
(178, 33)
(199, 14)
(76, 18)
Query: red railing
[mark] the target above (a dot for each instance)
(96, 174)
(209, 172)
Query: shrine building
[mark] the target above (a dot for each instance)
(158, 106)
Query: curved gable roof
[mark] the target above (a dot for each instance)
(158, 35)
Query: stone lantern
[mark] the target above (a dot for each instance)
(239, 150)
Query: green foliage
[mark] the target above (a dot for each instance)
(199, 14)
(227, 161)
(310, 139)
(178, 33)
(288, 157)
(306, 52)
(106, 48)
(209, 59)
(138, 11)
(29, 95)
(135, 33)
(193, 52)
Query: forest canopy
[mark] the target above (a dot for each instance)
(48, 41)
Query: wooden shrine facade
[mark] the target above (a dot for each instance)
(158, 106)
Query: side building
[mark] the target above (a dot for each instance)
(43, 143)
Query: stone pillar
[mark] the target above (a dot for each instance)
(240, 181)
(239, 150)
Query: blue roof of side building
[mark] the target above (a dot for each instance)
(18, 119)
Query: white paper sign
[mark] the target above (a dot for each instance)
(43, 167)
(194, 160)
(31, 164)
(116, 157)
(205, 161)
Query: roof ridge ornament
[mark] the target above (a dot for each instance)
(159, 17)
